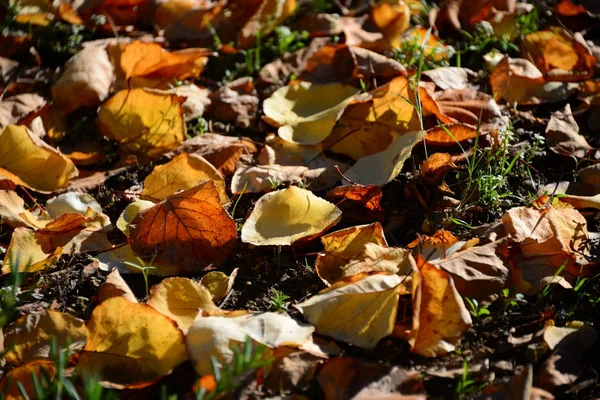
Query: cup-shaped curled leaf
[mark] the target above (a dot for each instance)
(285, 216)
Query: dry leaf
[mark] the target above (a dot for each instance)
(392, 18)
(29, 251)
(181, 299)
(286, 216)
(218, 284)
(299, 117)
(261, 178)
(361, 202)
(86, 81)
(215, 336)
(30, 336)
(360, 312)
(563, 137)
(129, 214)
(344, 245)
(450, 135)
(130, 344)
(21, 378)
(15, 108)
(186, 232)
(439, 315)
(13, 212)
(114, 286)
(450, 77)
(23, 156)
(143, 122)
(182, 172)
(235, 102)
(376, 258)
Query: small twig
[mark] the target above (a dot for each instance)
(345, 177)
(34, 201)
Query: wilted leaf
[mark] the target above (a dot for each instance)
(439, 314)
(305, 112)
(215, 336)
(182, 172)
(360, 312)
(181, 299)
(376, 258)
(261, 178)
(559, 55)
(114, 286)
(14, 108)
(344, 245)
(235, 102)
(218, 284)
(30, 335)
(86, 81)
(130, 344)
(450, 77)
(23, 156)
(285, 216)
(361, 202)
(451, 135)
(435, 167)
(186, 232)
(143, 122)
(269, 14)
(563, 137)
(30, 252)
(13, 212)
(22, 377)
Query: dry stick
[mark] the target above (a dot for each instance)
(345, 177)
(34, 201)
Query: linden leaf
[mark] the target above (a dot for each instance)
(30, 335)
(143, 122)
(181, 299)
(130, 344)
(342, 246)
(13, 212)
(285, 216)
(449, 135)
(29, 251)
(305, 112)
(439, 314)
(214, 337)
(218, 284)
(129, 213)
(29, 161)
(360, 312)
(186, 232)
(182, 172)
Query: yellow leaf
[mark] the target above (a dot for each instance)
(306, 112)
(215, 336)
(285, 216)
(13, 212)
(182, 172)
(186, 232)
(130, 344)
(143, 122)
(181, 299)
(360, 313)
(343, 245)
(369, 124)
(114, 286)
(29, 251)
(129, 213)
(23, 375)
(28, 161)
(439, 314)
(218, 284)
(30, 335)
(392, 18)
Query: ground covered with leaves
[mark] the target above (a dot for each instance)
(299, 199)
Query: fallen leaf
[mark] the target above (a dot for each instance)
(361, 312)
(182, 172)
(143, 122)
(291, 368)
(440, 317)
(450, 135)
(376, 258)
(30, 335)
(450, 77)
(186, 232)
(286, 216)
(129, 214)
(362, 202)
(261, 178)
(559, 55)
(22, 156)
(114, 286)
(235, 102)
(214, 337)
(269, 14)
(21, 378)
(563, 137)
(182, 300)
(130, 344)
(15, 108)
(29, 251)
(435, 168)
(392, 19)
(342, 246)
(218, 284)
(86, 81)
(299, 117)
(13, 212)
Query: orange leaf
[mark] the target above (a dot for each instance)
(187, 232)
(23, 375)
(439, 136)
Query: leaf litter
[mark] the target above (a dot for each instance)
(315, 199)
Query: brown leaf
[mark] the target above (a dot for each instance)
(187, 232)
(563, 137)
(235, 102)
(13, 109)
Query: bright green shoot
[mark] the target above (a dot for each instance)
(144, 269)
(278, 301)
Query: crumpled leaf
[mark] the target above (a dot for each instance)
(186, 232)
(218, 284)
(261, 178)
(13, 212)
(14, 108)
(86, 81)
(563, 137)
(458, 133)
(23, 156)
(30, 335)
(182, 172)
(559, 55)
(181, 299)
(376, 258)
(29, 251)
(305, 112)
(360, 312)
(361, 202)
(435, 168)
(235, 102)
(286, 216)
(215, 336)
(143, 122)
(130, 344)
(450, 77)
(439, 314)
(147, 59)
(342, 246)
